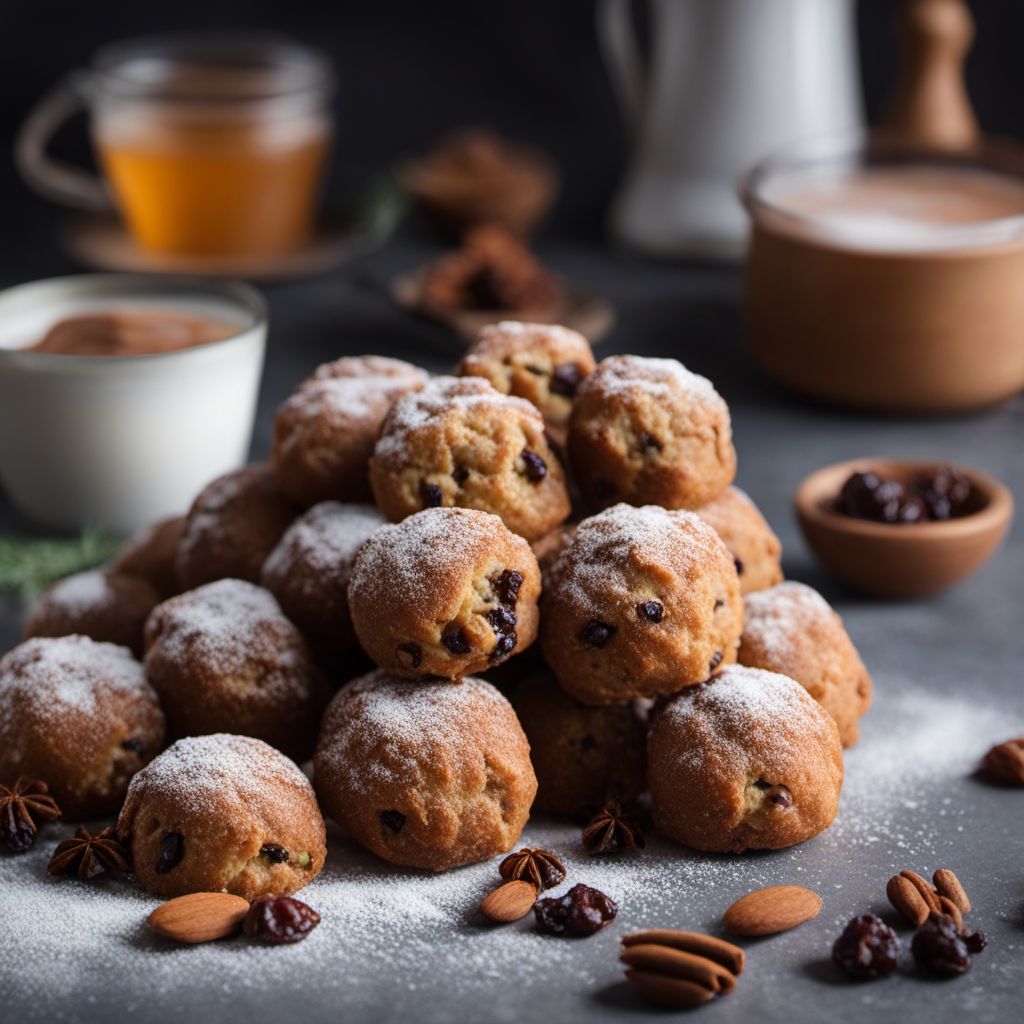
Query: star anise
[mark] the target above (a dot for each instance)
(541, 867)
(612, 830)
(22, 805)
(88, 854)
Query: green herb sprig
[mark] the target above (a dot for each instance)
(28, 567)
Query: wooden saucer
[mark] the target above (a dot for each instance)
(102, 242)
(589, 314)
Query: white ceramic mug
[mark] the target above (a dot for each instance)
(120, 441)
(728, 82)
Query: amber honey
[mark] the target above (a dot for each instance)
(216, 187)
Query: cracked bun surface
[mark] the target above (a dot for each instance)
(648, 431)
(97, 604)
(427, 775)
(642, 602)
(754, 546)
(446, 592)
(79, 715)
(792, 629)
(232, 526)
(223, 813)
(747, 761)
(459, 442)
(325, 432)
(225, 657)
(542, 363)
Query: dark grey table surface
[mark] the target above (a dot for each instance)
(396, 948)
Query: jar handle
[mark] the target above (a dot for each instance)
(51, 178)
(618, 43)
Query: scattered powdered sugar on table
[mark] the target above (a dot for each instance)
(393, 943)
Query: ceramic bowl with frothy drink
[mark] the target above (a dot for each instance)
(122, 395)
(887, 279)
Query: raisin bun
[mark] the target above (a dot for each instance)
(582, 755)
(427, 775)
(747, 761)
(96, 604)
(80, 716)
(648, 431)
(459, 442)
(309, 570)
(151, 553)
(224, 656)
(792, 629)
(325, 432)
(223, 813)
(642, 602)
(756, 549)
(446, 592)
(231, 528)
(542, 363)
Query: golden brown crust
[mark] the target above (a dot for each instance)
(643, 601)
(458, 442)
(581, 755)
(446, 592)
(224, 656)
(201, 816)
(758, 552)
(309, 570)
(541, 363)
(647, 431)
(791, 629)
(748, 761)
(104, 606)
(80, 716)
(232, 526)
(151, 553)
(325, 432)
(428, 775)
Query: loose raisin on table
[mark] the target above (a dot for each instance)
(279, 919)
(582, 911)
(868, 948)
(939, 948)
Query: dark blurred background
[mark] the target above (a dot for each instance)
(407, 70)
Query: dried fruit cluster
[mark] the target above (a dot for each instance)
(206, 916)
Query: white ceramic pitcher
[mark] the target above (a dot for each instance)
(728, 82)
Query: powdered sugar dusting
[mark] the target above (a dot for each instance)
(439, 398)
(659, 379)
(82, 590)
(590, 568)
(62, 675)
(775, 619)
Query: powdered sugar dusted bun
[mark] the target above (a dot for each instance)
(756, 549)
(458, 442)
(325, 432)
(542, 363)
(103, 606)
(223, 813)
(446, 592)
(582, 754)
(225, 657)
(151, 553)
(747, 761)
(232, 526)
(308, 571)
(792, 629)
(648, 431)
(642, 602)
(429, 775)
(80, 716)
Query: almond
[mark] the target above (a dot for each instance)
(924, 887)
(199, 917)
(775, 909)
(949, 886)
(905, 897)
(509, 902)
(1005, 762)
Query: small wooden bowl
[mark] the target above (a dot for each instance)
(909, 560)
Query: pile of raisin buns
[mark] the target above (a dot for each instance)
(530, 585)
